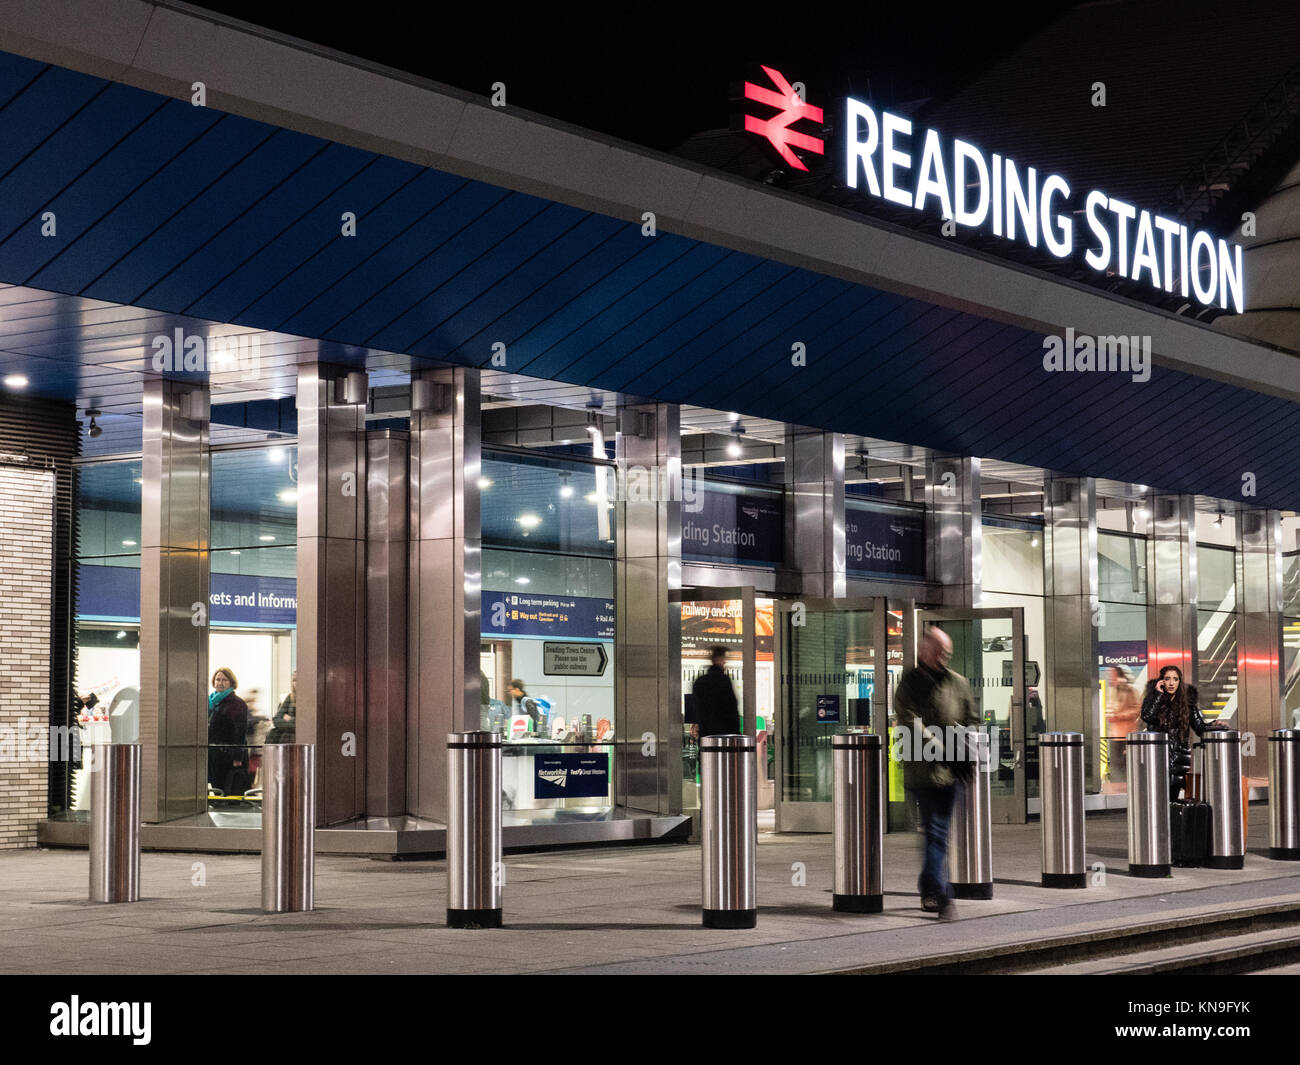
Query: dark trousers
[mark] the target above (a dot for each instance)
(936, 815)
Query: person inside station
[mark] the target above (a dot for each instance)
(522, 703)
(716, 711)
(227, 735)
(284, 727)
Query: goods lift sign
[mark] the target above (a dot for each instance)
(921, 169)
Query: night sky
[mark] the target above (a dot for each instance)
(656, 74)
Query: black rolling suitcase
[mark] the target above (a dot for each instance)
(1189, 832)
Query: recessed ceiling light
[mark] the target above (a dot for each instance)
(266, 538)
(522, 580)
(16, 380)
(234, 552)
(287, 495)
(733, 416)
(529, 521)
(128, 543)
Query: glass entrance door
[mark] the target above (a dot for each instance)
(830, 658)
(988, 649)
(740, 622)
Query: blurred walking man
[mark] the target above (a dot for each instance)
(939, 699)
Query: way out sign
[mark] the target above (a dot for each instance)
(574, 659)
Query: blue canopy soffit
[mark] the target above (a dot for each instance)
(185, 210)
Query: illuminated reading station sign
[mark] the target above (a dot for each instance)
(919, 168)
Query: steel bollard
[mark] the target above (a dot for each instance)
(858, 811)
(728, 782)
(1061, 769)
(288, 827)
(114, 822)
(970, 855)
(474, 830)
(1149, 852)
(1284, 795)
(1222, 776)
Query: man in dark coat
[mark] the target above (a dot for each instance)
(717, 713)
(934, 700)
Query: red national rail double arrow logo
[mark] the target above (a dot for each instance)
(790, 109)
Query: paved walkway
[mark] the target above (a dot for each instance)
(611, 910)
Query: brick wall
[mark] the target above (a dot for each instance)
(26, 549)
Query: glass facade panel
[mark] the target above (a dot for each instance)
(548, 581)
(253, 605)
(1121, 568)
(827, 677)
(1012, 555)
(1216, 578)
(546, 504)
(106, 663)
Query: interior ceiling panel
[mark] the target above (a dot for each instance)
(171, 216)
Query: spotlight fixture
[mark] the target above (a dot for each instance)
(734, 450)
(95, 429)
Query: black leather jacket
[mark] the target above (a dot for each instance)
(1153, 706)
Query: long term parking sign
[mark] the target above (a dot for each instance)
(574, 659)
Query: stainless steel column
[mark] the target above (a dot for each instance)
(1284, 795)
(1071, 689)
(1061, 766)
(1148, 804)
(1260, 700)
(474, 872)
(1223, 792)
(858, 816)
(332, 584)
(175, 545)
(288, 827)
(114, 771)
(647, 629)
(729, 800)
(388, 556)
(954, 551)
(446, 589)
(814, 513)
(970, 848)
(1172, 584)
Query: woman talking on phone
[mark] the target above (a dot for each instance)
(1170, 707)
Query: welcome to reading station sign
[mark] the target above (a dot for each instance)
(923, 170)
